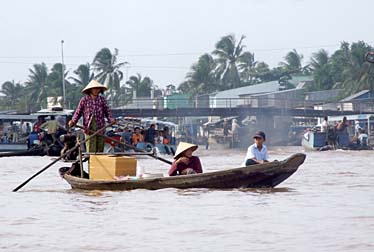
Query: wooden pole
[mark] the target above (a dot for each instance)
(59, 158)
(128, 146)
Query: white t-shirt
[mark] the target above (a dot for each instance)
(363, 139)
(254, 152)
(324, 126)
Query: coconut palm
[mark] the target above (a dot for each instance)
(141, 86)
(84, 75)
(107, 69)
(228, 53)
(201, 79)
(37, 86)
(358, 74)
(293, 62)
(55, 80)
(13, 92)
(246, 65)
(320, 67)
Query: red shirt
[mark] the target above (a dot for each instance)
(89, 107)
(193, 163)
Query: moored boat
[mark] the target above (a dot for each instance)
(265, 175)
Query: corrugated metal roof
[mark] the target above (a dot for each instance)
(351, 97)
(265, 87)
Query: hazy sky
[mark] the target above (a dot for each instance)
(162, 39)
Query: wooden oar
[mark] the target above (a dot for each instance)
(59, 158)
(128, 146)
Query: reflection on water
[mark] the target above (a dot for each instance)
(327, 205)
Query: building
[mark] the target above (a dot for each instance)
(231, 98)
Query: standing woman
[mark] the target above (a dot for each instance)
(94, 109)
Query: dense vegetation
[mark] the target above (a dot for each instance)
(228, 66)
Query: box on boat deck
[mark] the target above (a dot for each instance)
(106, 167)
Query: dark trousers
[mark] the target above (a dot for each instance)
(250, 162)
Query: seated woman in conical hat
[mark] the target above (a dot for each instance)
(184, 163)
(94, 109)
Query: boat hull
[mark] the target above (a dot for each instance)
(266, 175)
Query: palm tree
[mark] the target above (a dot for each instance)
(55, 81)
(358, 73)
(142, 86)
(228, 53)
(37, 86)
(201, 79)
(247, 66)
(292, 62)
(320, 67)
(13, 92)
(83, 77)
(108, 70)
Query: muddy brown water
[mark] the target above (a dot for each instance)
(327, 205)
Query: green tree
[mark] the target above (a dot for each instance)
(228, 53)
(293, 62)
(246, 66)
(107, 69)
(358, 74)
(13, 92)
(201, 79)
(142, 86)
(321, 70)
(83, 76)
(37, 86)
(54, 81)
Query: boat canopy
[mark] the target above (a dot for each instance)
(56, 111)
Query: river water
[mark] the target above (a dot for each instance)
(327, 205)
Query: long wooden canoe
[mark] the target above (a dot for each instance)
(266, 175)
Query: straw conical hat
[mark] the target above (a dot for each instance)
(94, 84)
(182, 146)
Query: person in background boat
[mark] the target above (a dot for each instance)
(235, 131)
(94, 109)
(166, 137)
(257, 153)
(324, 125)
(126, 135)
(184, 162)
(41, 120)
(150, 134)
(137, 137)
(51, 127)
(225, 128)
(362, 138)
(357, 128)
(343, 125)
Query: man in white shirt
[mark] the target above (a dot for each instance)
(362, 137)
(324, 125)
(357, 128)
(257, 153)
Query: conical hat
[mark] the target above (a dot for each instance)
(182, 146)
(94, 84)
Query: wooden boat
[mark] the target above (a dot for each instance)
(266, 175)
(314, 140)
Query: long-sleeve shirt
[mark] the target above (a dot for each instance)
(193, 163)
(89, 108)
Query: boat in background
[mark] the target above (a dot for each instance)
(316, 140)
